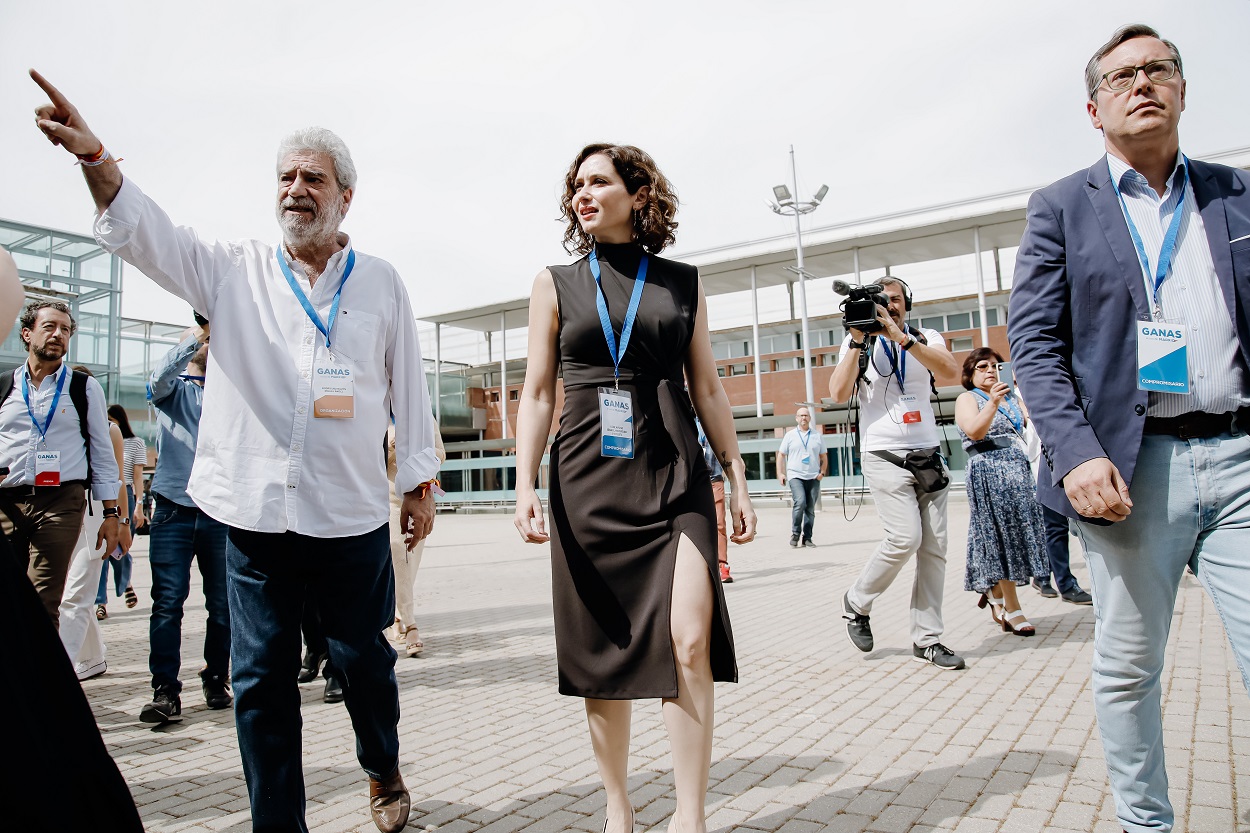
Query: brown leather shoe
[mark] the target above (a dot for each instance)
(389, 802)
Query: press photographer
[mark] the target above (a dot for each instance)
(890, 366)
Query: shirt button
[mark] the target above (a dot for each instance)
(303, 374)
(290, 485)
(1139, 409)
(302, 409)
(296, 446)
(1202, 374)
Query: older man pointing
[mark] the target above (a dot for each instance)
(314, 349)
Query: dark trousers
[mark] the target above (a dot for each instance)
(179, 535)
(49, 724)
(43, 530)
(269, 576)
(314, 639)
(1057, 549)
(803, 516)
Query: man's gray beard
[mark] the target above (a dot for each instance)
(298, 233)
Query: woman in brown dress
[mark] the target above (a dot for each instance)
(639, 612)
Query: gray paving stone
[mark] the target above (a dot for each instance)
(815, 737)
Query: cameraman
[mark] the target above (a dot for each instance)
(892, 370)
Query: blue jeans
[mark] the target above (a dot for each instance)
(350, 580)
(1191, 507)
(121, 567)
(1057, 550)
(180, 533)
(803, 515)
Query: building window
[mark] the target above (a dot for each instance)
(991, 317)
(720, 371)
(961, 345)
(933, 322)
(738, 370)
(514, 395)
(959, 321)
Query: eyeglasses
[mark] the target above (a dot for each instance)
(1119, 80)
(982, 366)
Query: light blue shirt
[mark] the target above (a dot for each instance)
(802, 452)
(19, 439)
(178, 403)
(1190, 295)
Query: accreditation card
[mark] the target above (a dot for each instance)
(616, 423)
(1162, 357)
(333, 390)
(47, 468)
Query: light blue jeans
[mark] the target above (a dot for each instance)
(1191, 507)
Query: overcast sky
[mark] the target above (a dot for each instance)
(463, 117)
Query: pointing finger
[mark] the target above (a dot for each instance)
(53, 93)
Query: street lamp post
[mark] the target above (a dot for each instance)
(788, 205)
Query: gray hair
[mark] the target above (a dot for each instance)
(1093, 78)
(320, 140)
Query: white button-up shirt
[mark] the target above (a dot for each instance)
(19, 439)
(263, 462)
(1190, 294)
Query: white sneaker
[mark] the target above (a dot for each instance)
(86, 670)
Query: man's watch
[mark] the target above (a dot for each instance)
(856, 345)
(911, 342)
(123, 521)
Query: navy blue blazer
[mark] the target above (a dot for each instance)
(1077, 295)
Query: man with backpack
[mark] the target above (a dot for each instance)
(53, 425)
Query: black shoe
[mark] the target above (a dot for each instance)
(939, 655)
(1043, 586)
(807, 542)
(334, 690)
(166, 707)
(310, 667)
(216, 691)
(1077, 596)
(794, 540)
(857, 627)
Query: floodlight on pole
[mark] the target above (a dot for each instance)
(787, 206)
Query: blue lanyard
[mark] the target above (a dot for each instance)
(805, 441)
(1013, 414)
(898, 362)
(1169, 239)
(303, 299)
(56, 397)
(627, 327)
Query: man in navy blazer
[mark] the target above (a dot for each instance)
(1144, 254)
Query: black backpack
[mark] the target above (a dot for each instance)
(77, 395)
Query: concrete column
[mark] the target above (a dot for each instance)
(755, 345)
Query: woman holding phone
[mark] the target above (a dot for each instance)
(1006, 536)
(639, 610)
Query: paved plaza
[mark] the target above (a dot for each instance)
(815, 737)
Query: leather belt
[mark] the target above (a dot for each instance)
(1199, 425)
(992, 444)
(15, 492)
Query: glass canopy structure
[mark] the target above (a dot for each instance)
(72, 268)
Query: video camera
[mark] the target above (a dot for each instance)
(859, 310)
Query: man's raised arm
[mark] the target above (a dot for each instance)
(61, 122)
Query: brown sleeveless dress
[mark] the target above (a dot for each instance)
(615, 523)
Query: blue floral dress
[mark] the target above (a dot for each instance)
(1006, 533)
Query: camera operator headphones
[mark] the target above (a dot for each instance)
(906, 290)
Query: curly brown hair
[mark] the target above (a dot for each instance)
(654, 226)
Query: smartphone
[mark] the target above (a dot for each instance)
(1007, 376)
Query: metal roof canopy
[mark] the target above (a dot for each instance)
(892, 240)
(486, 319)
